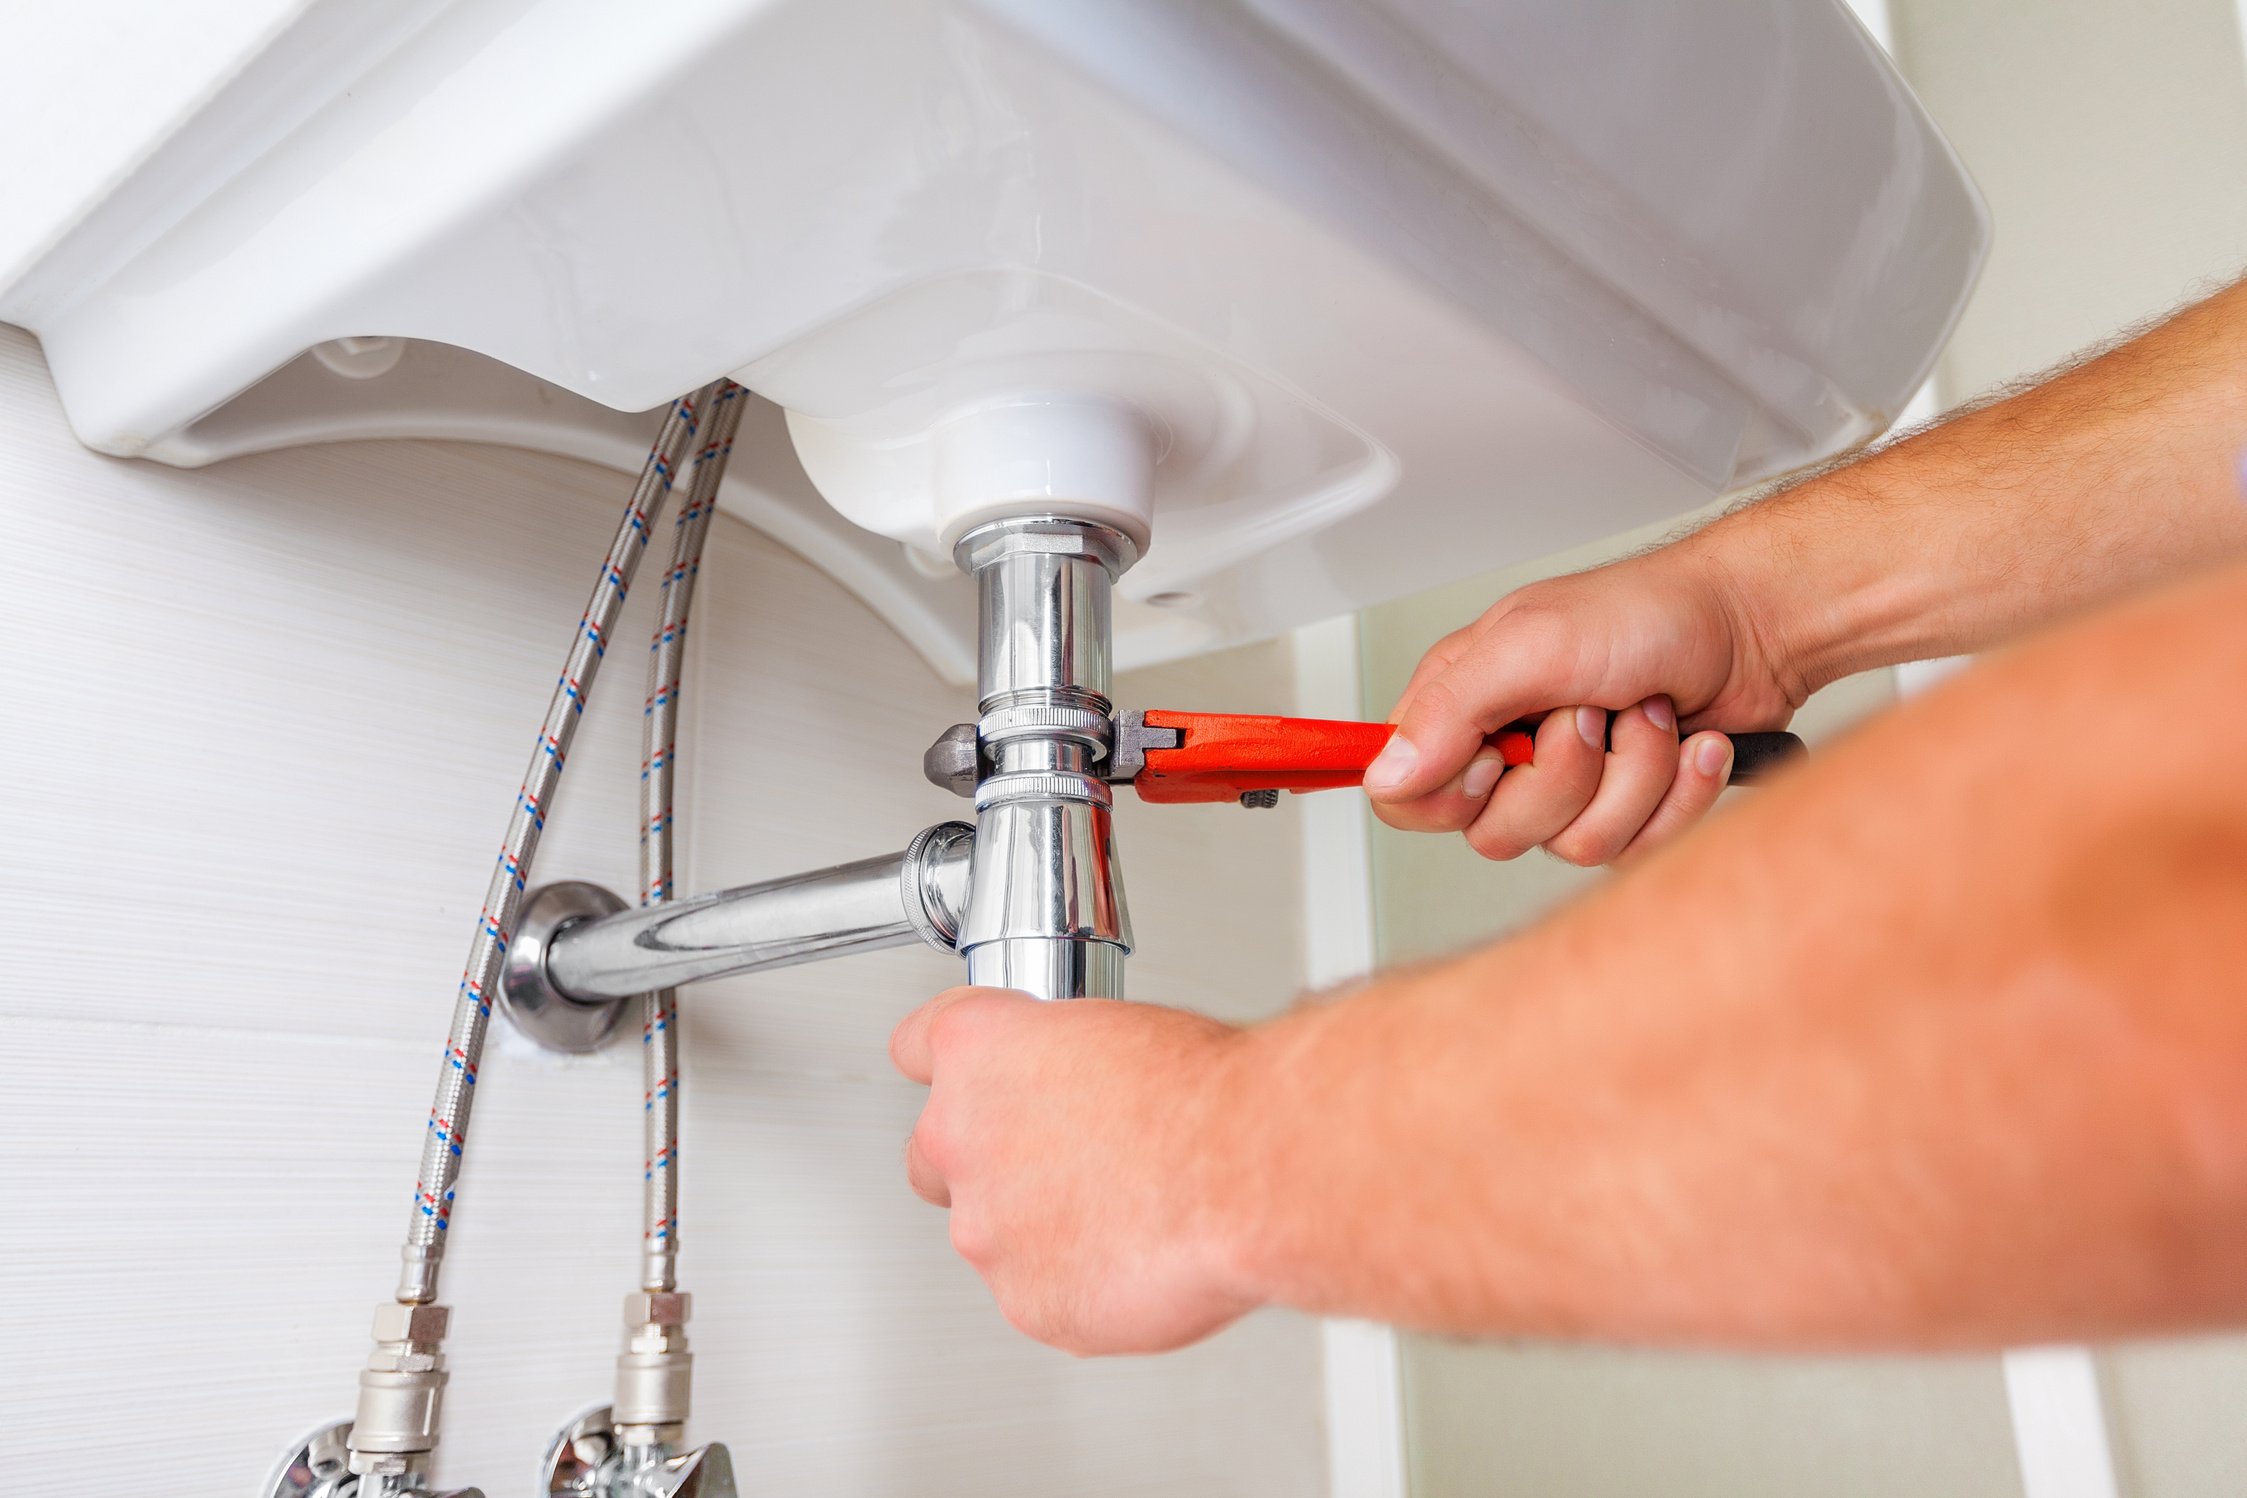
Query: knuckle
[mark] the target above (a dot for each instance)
(929, 1185)
(1539, 622)
(1440, 699)
(1640, 743)
(971, 1240)
(1657, 765)
(1402, 815)
(1499, 845)
(1446, 650)
(1576, 779)
(1448, 812)
(901, 1046)
(1653, 835)
(1456, 818)
(1539, 609)
(931, 1145)
(955, 1025)
(1578, 848)
(1032, 1320)
(1573, 784)
(1431, 813)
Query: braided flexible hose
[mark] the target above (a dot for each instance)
(659, 1011)
(447, 1134)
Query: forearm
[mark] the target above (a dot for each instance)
(1938, 1043)
(2121, 470)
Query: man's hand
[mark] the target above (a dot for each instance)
(1824, 1078)
(1998, 520)
(1073, 1143)
(1660, 641)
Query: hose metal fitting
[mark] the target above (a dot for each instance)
(655, 1372)
(401, 1391)
(631, 1448)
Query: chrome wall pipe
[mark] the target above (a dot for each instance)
(891, 901)
(574, 959)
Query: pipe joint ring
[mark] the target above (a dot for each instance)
(1077, 697)
(1045, 535)
(926, 909)
(1048, 720)
(1041, 785)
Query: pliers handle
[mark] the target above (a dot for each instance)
(1251, 757)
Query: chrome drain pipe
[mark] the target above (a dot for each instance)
(1032, 895)
(1045, 909)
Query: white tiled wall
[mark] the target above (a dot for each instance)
(260, 726)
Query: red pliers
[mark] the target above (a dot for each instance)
(1172, 757)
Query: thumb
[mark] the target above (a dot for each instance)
(1452, 714)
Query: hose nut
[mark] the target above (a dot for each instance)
(655, 1372)
(394, 1322)
(657, 1308)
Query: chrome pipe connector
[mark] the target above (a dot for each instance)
(319, 1467)
(933, 882)
(588, 1458)
(383, 1451)
(579, 954)
(1045, 909)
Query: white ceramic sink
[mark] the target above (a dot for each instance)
(1328, 299)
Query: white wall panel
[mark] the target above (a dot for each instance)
(259, 728)
(2110, 140)
(1561, 1421)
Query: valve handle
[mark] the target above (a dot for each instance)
(1223, 756)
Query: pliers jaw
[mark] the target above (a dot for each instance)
(1173, 757)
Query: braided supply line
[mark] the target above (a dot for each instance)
(447, 1134)
(659, 1010)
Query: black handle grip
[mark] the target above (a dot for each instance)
(1756, 755)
